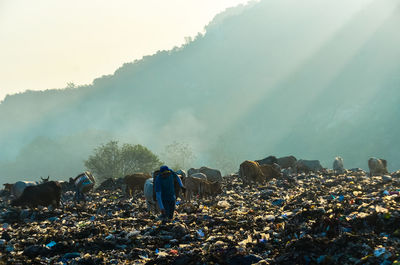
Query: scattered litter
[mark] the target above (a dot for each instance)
(299, 219)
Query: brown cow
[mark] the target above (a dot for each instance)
(193, 186)
(251, 171)
(271, 171)
(211, 188)
(135, 180)
(202, 187)
(45, 194)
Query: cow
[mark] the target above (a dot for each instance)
(308, 166)
(44, 194)
(150, 194)
(267, 161)
(135, 181)
(287, 161)
(211, 189)
(287, 172)
(338, 165)
(201, 186)
(212, 174)
(271, 171)
(251, 171)
(148, 190)
(377, 167)
(19, 186)
(193, 185)
(108, 184)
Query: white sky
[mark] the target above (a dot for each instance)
(48, 43)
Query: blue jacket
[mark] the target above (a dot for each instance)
(164, 187)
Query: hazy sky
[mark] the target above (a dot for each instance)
(46, 43)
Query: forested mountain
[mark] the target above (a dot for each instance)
(310, 78)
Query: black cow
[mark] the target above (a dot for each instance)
(45, 194)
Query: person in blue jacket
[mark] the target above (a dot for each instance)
(165, 191)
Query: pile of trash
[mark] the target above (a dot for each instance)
(300, 219)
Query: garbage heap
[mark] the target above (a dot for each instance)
(300, 219)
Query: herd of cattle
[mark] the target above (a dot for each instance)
(202, 182)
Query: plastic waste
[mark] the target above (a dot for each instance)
(378, 252)
(223, 204)
(278, 202)
(51, 244)
(320, 259)
(5, 226)
(133, 233)
(72, 255)
(109, 237)
(225, 228)
(10, 248)
(200, 233)
(144, 256)
(173, 252)
(270, 218)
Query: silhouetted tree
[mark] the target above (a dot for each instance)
(137, 158)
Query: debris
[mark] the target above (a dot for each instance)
(300, 219)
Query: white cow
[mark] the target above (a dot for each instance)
(338, 165)
(148, 194)
(18, 188)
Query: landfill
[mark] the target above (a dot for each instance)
(351, 218)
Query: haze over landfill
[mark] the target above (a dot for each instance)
(314, 79)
